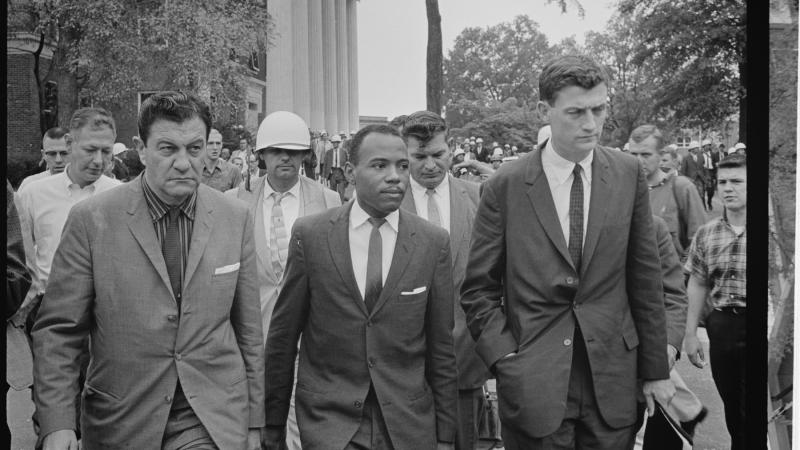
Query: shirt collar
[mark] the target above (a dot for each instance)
(358, 217)
(561, 168)
(420, 189)
(294, 190)
(68, 183)
(157, 208)
(219, 164)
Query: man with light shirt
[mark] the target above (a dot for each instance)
(218, 173)
(55, 154)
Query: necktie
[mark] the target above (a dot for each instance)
(433, 209)
(576, 217)
(374, 284)
(278, 241)
(172, 252)
(336, 157)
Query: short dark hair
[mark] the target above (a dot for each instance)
(92, 117)
(55, 133)
(423, 126)
(399, 121)
(569, 70)
(643, 132)
(174, 106)
(733, 161)
(358, 139)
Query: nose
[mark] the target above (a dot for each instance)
(58, 157)
(98, 158)
(181, 162)
(392, 174)
(589, 122)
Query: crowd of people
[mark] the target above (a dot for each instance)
(367, 291)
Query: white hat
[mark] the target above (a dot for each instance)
(459, 151)
(118, 148)
(283, 129)
(706, 142)
(731, 150)
(544, 134)
(739, 146)
(479, 140)
(694, 144)
(336, 138)
(497, 151)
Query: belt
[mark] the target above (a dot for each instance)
(735, 310)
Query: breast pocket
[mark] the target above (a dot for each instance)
(412, 298)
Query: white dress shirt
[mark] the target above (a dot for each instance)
(34, 177)
(559, 176)
(45, 204)
(442, 196)
(359, 231)
(290, 205)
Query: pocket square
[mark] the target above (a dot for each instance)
(415, 291)
(226, 269)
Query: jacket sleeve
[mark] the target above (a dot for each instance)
(690, 210)
(482, 291)
(18, 280)
(674, 290)
(246, 321)
(440, 360)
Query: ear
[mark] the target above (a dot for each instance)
(138, 144)
(349, 172)
(544, 110)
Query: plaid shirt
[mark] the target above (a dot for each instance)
(718, 258)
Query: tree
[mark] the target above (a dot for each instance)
(699, 47)
(434, 57)
(506, 122)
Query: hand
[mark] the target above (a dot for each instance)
(445, 446)
(480, 167)
(273, 438)
(61, 440)
(693, 349)
(672, 354)
(254, 439)
(661, 391)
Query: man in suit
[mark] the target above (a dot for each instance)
(333, 170)
(370, 289)
(568, 324)
(710, 161)
(159, 273)
(692, 167)
(450, 203)
(276, 201)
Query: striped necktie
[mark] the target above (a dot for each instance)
(172, 252)
(433, 208)
(278, 240)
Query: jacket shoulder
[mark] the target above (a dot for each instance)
(423, 227)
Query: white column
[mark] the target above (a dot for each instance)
(342, 67)
(302, 100)
(352, 58)
(280, 69)
(329, 65)
(315, 69)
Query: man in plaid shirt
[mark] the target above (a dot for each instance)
(716, 265)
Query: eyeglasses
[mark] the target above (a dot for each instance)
(54, 153)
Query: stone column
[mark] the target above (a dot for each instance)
(342, 67)
(352, 58)
(315, 69)
(329, 57)
(280, 70)
(301, 83)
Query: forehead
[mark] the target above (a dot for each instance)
(215, 136)
(186, 131)
(94, 133)
(647, 145)
(732, 172)
(578, 97)
(385, 146)
(436, 144)
(54, 144)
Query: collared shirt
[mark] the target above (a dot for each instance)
(222, 176)
(158, 212)
(34, 177)
(442, 196)
(718, 259)
(559, 176)
(290, 206)
(45, 205)
(360, 230)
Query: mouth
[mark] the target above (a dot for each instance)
(393, 192)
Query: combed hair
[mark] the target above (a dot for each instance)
(570, 70)
(358, 139)
(174, 106)
(93, 118)
(643, 132)
(398, 122)
(423, 126)
(733, 161)
(55, 133)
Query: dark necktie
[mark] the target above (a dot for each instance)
(374, 284)
(576, 218)
(172, 252)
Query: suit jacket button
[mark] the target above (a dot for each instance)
(357, 404)
(370, 362)
(575, 305)
(168, 398)
(567, 342)
(570, 280)
(172, 317)
(369, 323)
(178, 356)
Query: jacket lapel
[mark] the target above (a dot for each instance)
(201, 232)
(255, 202)
(459, 219)
(313, 200)
(598, 206)
(408, 201)
(543, 207)
(143, 230)
(339, 246)
(403, 249)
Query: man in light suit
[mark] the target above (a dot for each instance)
(569, 324)
(159, 273)
(450, 203)
(282, 143)
(370, 289)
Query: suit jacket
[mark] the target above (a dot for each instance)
(522, 294)
(675, 301)
(694, 170)
(315, 199)
(18, 280)
(109, 281)
(328, 166)
(472, 372)
(403, 348)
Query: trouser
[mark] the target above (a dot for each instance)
(184, 430)
(727, 329)
(338, 182)
(470, 408)
(372, 433)
(711, 186)
(582, 427)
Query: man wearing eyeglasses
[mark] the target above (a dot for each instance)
(54, 153)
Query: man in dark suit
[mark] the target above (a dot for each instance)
(569, 324)
(370, 289)
(450, 203)
(710, 162)
(692, 167)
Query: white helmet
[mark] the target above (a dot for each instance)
(283, 129)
